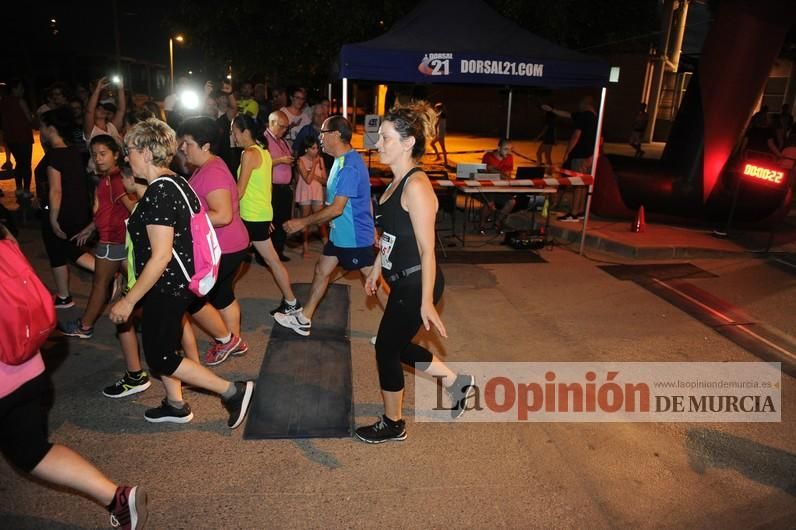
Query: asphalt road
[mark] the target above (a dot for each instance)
(468, 475)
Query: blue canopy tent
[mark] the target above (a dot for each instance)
(467, 42)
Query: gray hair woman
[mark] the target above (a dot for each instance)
(160, 232)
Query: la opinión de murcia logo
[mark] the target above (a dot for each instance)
(566, 394)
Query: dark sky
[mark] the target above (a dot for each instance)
(87, 27)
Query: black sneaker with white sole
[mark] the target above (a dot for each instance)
(238, 405)
(128, 385)
(64, 303)
(384, 430)
(286, 308)
(165, 413)
(461, 391)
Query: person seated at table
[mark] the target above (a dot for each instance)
(498, 161)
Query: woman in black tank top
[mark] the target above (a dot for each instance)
(407, 214)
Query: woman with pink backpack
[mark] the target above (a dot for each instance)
(160, 231)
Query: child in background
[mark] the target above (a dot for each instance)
(309, 190)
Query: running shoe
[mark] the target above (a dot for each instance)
(127, 386)
(129, 508)
(219, 352)
(167, 413)
(238, 405)
(383, 431)
(64, 303)
(297, 322)
(74, 328)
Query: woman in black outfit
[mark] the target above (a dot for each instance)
(407, 212)
(63, 195)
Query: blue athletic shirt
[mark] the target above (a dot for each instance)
(349, 178)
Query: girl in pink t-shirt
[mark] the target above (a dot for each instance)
(309, 190)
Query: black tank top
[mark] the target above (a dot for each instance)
(398, 244)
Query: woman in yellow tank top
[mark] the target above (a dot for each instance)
(254, 188)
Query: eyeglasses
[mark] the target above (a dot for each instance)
(126, 150)
(323, 131)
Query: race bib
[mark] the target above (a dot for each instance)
(386, 244)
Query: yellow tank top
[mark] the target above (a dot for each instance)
(256, 202)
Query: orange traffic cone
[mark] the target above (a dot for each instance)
(639, 224)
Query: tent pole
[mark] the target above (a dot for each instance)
(508, 116)
(595, 156)
(345, 98)
(354, 90)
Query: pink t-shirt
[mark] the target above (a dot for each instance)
(13, 377)
(282, 173)
(215, 175)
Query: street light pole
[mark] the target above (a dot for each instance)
(171, 63)
(178, 38)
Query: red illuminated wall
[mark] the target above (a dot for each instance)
(736, 59)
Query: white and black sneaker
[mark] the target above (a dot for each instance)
(384, 430)
(64, 303)
(287, 309)
(238, 405)
(165, 413)
(296, 321)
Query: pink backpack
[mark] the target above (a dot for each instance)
(28, 307)
(206, 250)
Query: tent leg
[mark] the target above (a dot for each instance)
(345, 98)
(508, 115)
(595, 156)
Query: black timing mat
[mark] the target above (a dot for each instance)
(490, 256)
(304, 387)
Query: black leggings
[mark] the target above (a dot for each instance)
(222, 294)
(398, 327)
(161, 330)
(282, 200)
(22, 153)
(23, 423)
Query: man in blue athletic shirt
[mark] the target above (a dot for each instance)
(348, 210)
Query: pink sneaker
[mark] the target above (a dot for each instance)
(218, 353)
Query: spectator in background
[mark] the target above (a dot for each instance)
(64, 197)
(441, 130)
(580, 151)
(309, 189)
(278, 100)
(639, 126)
(295, 115)
(17, 126)
(544, 154)
(226, 148)
(499, 161)
(282, 158)
(261, 97)
(760, 137)
(105, 118)
(55, 96)
(246, 102)
(313, 130)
